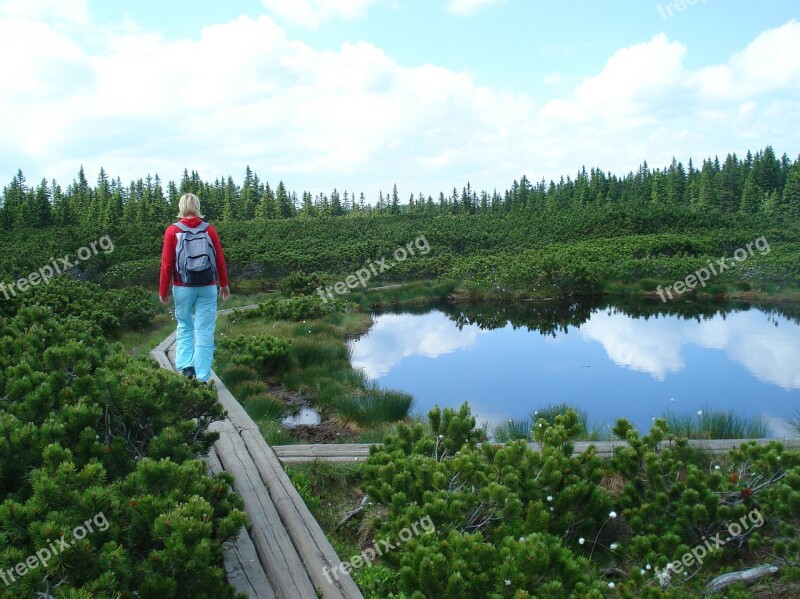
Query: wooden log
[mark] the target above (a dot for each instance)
(746, 576)
(358, 452)
(168, 341)
(235, 411)
(162, 359)
(242, 567)
(279, 558)
(321, 561)
(230, 310)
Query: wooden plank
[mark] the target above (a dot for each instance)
(162, 359)
(322, 449)
(296, 460)
(313, 547)
(242, 567)
(358, 452)
(230, 310)
(276, 552)
(235, 411)
(168, 341)
(171, 355)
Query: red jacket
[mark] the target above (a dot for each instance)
(168, 270)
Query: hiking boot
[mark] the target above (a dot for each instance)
(188, 372)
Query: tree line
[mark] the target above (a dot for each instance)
(757, 184)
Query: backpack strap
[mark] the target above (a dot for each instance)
(187, 229)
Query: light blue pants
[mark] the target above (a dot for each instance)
(196, 313)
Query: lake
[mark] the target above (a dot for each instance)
(633, 359)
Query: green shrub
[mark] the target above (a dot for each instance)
(303, 485)
(300, 283)
(549, 413)
(482, 509)
(264, 353)
(89, 433)
(303, 307)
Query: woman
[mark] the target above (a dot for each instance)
(195, 293)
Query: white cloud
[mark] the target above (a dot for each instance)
(632, 82)
(655, 346)
(71, 11)
(553, 79)
(770, 63)
(394, 337)
(245, 92)
(468, 7)
(312, 13)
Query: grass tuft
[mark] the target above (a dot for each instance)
(716, 424)
(513, 430)
(374, 406)
(794, 423)
(235, 375)
(275, 433)
(247, 389)
(265, 407)
(320, 351)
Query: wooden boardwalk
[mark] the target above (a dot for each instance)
(285, 554)
(358, 452)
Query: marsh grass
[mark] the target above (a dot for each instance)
(315, 351)
(513, 430)
(316, 329)
(373, 406)
(247, 389)
(265, 406)
(520, 429)
(321, 356)
(275, 433)
(405, 293)
(233, 376)
(794, 423)
(716, 424)
(138, 343)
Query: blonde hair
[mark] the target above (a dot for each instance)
(189, 205)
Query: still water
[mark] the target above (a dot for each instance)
(634, 360)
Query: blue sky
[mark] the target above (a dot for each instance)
(361, 94)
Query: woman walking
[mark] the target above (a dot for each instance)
(193, 262)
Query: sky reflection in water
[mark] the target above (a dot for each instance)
(611, 365)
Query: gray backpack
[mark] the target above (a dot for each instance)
(195, 258)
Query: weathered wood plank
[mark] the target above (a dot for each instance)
(720, 583)
(313, 547)
(234, 410)
(168, 341)
(323, 449)
(358, 452)
(276, 551)
(242, 567)
(162, 359)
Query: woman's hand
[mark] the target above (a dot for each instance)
(164, 300)
(225, 292)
